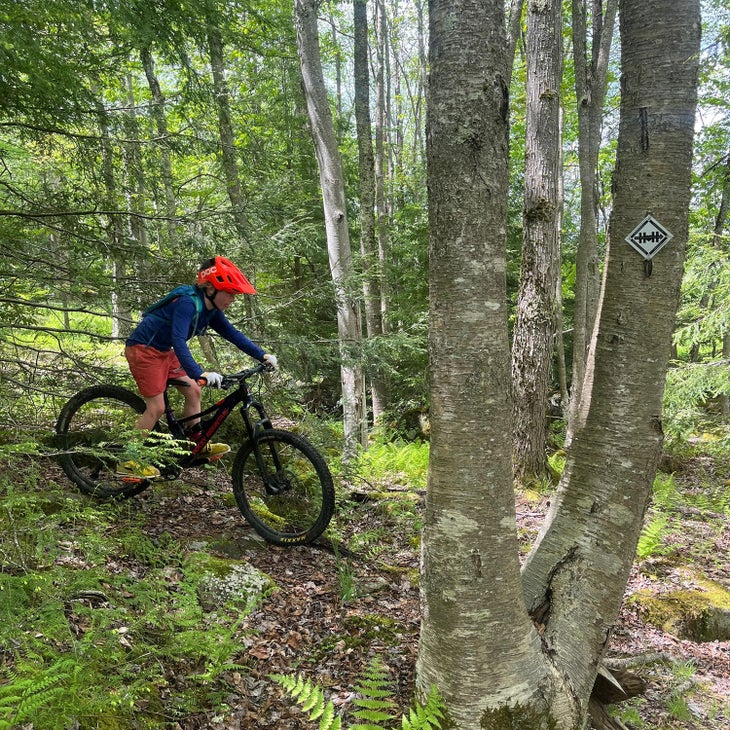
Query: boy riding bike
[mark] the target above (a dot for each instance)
(157, 349)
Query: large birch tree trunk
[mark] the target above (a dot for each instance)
(535, 322)
(332, 182)
(485, 665)
(575, 577)
(494, 667)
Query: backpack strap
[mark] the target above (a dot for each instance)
(184, 290)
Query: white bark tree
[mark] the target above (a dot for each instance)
(524, 653)
(332, 182)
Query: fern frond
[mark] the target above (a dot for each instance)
(22, 697)
(311, 699)
(428, 716)
(375, 701)
(329, 721)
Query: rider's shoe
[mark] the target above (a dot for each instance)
(210, 451)
(136, 470)
(214, 451)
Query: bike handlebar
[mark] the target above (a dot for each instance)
(229, 380)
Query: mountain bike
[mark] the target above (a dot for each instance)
(281, 483)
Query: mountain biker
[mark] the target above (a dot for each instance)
(157, 349)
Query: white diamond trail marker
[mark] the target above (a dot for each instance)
(649, 237)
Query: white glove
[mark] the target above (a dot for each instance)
(213, 380)
(271, 360)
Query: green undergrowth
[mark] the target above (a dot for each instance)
(90, 640)
(702, 493)
(374, 706)
(396, 462)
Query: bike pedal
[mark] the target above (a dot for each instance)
(132, 480)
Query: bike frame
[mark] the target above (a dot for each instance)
(213, 417)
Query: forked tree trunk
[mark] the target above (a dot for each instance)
(478, 644)
(332, 182)
(575, 577)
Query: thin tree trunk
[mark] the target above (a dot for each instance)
(381, 158)
(228, 145)
(335, 213)
(590, 88)
(160, 117)
(720, 224)
(368, 247)
(514, 31)
(135, 192)
(535, 323)
(121, 317)
(229, 159)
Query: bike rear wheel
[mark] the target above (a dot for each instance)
(94, 428)
(283, 488)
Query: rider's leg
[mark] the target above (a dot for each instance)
(191, 406)
(155, 407)
(191, 394)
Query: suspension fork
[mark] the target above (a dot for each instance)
(254, 430)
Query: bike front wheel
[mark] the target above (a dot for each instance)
(93, 428)
(283, 488)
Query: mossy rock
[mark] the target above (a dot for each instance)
(224, 582)
(698, 614)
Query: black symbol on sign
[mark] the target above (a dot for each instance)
(654, 237)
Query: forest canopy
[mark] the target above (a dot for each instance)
(138, 139)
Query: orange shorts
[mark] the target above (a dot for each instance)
(151, 369)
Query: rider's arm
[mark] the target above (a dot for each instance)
(225, 329)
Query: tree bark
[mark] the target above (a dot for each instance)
(477, 644)
(493, 666)
(575, 576)
(331, 180)
(368, 246)
(590, 90)
(536, 318)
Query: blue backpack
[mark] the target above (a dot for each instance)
(185, 290)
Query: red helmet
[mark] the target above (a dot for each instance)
(224, 275)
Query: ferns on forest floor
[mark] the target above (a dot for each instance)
(374, 702)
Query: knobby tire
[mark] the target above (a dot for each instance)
(89, 426)
(289, 505)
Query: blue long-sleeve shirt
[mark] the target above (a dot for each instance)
(171, 326)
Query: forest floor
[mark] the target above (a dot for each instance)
(333, 612)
